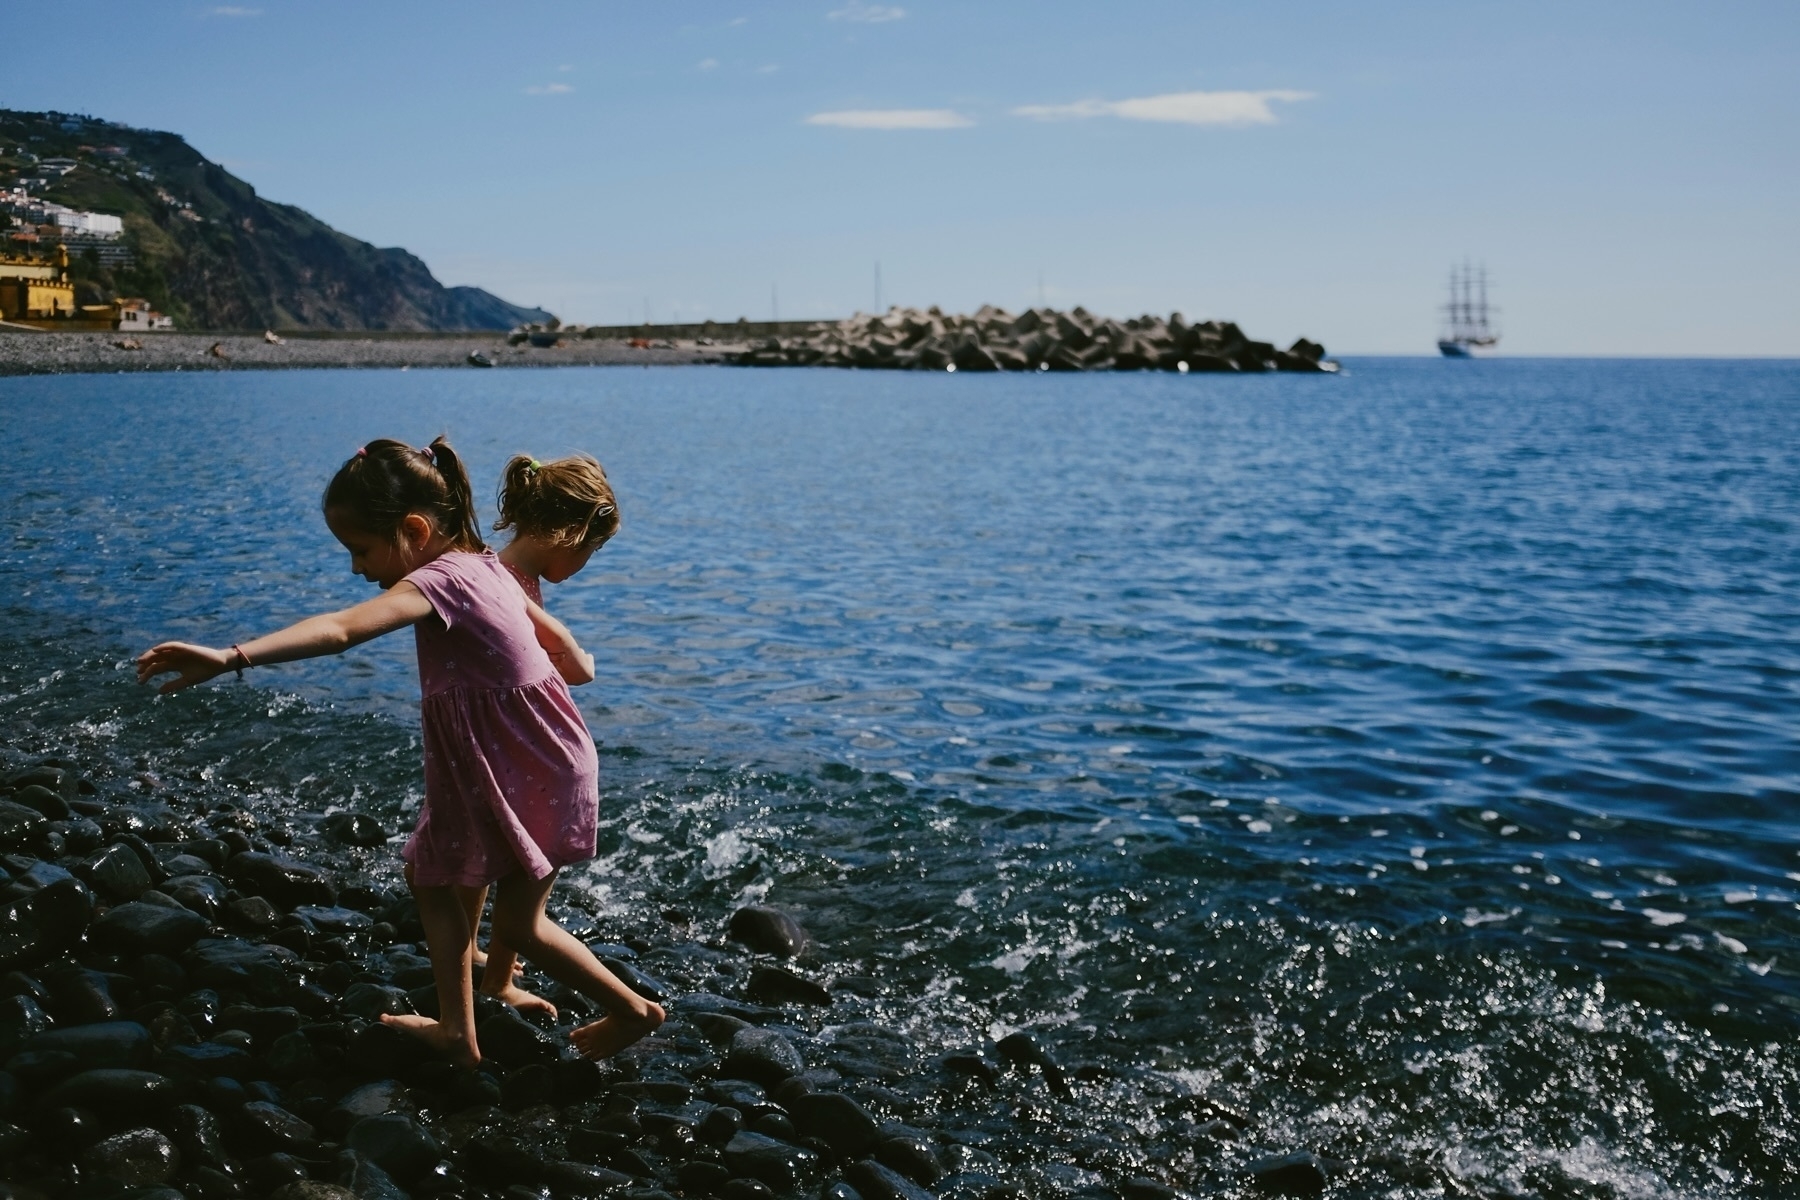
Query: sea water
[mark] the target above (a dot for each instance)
(1404, 760)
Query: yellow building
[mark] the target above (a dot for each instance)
(34, 290)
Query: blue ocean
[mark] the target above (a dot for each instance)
(1403, 762)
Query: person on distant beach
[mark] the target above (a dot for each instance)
(560, 513)
(511, 775)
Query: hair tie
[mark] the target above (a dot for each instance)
(535, 466)
(430, 455)
(361, 452)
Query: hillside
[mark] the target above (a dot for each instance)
(215, 255)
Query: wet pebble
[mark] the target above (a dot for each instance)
(396, 1143)
(762, 1056)
(135, 1158)
(768, 930)
(149, 927)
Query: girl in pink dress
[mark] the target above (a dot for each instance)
(511, 792)
(560, 513)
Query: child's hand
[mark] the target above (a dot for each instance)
(191, 664)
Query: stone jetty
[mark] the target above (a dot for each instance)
(1038, 339)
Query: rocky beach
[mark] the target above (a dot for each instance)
(191, 1006)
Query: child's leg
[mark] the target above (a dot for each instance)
(447, 936)
(519, 920)
(497, 978)
(473, 901)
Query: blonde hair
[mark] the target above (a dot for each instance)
(566, 502)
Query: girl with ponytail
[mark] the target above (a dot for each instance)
(511, 775)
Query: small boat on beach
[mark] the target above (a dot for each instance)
(1469, 331)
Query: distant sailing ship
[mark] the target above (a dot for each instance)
(1466, 316)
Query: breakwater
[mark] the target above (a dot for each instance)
(1038, 339)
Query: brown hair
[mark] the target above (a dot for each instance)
(386, 481)
(566, 502)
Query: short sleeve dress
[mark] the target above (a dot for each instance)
(511, 776)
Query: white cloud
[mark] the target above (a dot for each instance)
(707, 64)
(736, 21)
(1180, 108)
(236, 10)
(892, 118)
(873, 14)
(550, 89)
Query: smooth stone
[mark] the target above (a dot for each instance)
(268, 1128)
(362, 1176)
(43, 801)
(207, 1060)
(565, 1178)
(38, 1069)
(844, 1124)
(80, 996)
(262, 1024)
(333, 920)
(135, 1158)
(701, 1178)
(111, 1089)
(746, 1189)
(780, 1165)
(762, 1056)
(177, 866)
(285, 882)
(526, 1086)
(19, 825)
(40, 925)
(509, 1041)
(1300, 1174)
(778, 985)
(123, 1044)
(353, 829)
(370, 1001)
(911, 1153)
(201, 894)
(291, 1056)
(159, 971)
(252, 913)
(269, 1174)
(768, 930)
(115, 872)
(754, 1014)
(501, 1159)
(647, 986)
(21, 1019)
(717, 1028)
(878, 1182)
(396, 1143)
(231, 963)
(148, 928)
(973, 1064)
(1147, 1189)
(978, 1185)
(370, 1100)
(198, 1136)
(719, 1125)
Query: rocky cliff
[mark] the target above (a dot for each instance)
(212, 253)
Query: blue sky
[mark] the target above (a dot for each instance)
(1628, 171)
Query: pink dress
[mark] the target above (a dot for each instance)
(511, 776)
(529, 583)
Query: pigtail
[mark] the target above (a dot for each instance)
(459, 507)
(517, 483)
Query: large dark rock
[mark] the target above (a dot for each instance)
(79, 996)
(911, 1153)
(332, 920)
(840, 1121)
(778, 985)
(353, 829)
(776, 1163)
(202, 894)
(44, 922)
(107, 1044)
(135, 1158)
(875, 1181)
(232, 963)
(21, 1019)
(111, 1090)
(199, 1137)
(265, 1128)
(510, 1041)
(116, 872)
(647, 986)
(762, 1056)
(1302, 1174)
(768, 930)
(396, 1143)
(285, 882)
(365, 1180)
(20, 826)
(44, 802)
(148, 929)
(370, 1001)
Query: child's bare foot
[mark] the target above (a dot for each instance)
(615, 1031)
(458, 1048)
(522, 1000)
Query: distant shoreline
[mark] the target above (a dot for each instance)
(103, 353)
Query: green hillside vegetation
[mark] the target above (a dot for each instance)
(214, 255)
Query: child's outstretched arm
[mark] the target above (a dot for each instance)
(328, 633)
(574, 664)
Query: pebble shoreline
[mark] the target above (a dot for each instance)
(190, 994)
(38, 353)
